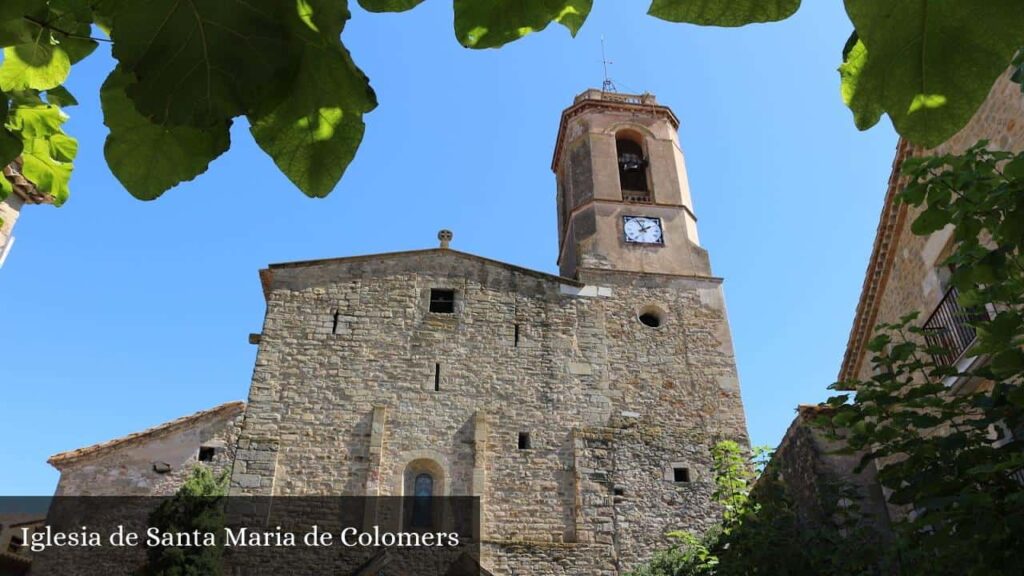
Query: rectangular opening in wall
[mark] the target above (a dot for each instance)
(334, 325)
(681, 475)
(206, 453)
(524, 441)
(515, 336)
(442, 301)
(437, 377)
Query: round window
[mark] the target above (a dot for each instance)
(650, 319)
(651, 316)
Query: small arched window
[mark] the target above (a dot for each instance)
(632, 169)
(422, 503)
(424, 486)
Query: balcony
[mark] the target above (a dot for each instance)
(949, 328)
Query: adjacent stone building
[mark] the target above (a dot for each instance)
(153, 462)
(823, 481)
(15, 555)
(905, 274)
(580, 408)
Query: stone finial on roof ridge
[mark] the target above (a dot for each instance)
(445, 236)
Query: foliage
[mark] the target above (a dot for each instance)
(723, 12)
(148, 158)
(733, 476)
(764, 538)
(197, 505)
(760, 532)
(185, 71)
(688, 556)
(952, 456)
(33, 131)
(35, 63)
(929, 64)
(312, 132)
(493, 23)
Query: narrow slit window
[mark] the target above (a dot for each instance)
(334, 325)
(524, 441)
(442, 301)
(681, 475)
(515, 336)
(206, 453)
(437, 377)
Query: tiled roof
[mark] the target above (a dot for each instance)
(227, 409)
(889, 224)
(23, 187)
(16, 558)
(19, 518)
(267, 274)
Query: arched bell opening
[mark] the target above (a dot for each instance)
(629, 152)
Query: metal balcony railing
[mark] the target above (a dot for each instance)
(949, 328)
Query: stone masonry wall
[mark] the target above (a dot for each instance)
(914, 279)
(343, 399)
(910, 278)
(128, 469)
(10, 208)
(814, 469)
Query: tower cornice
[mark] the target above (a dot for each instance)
(594, 99)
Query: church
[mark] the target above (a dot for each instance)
(580, 408)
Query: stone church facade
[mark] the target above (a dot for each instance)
(580, 407)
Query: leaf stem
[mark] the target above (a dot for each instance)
(47, 26)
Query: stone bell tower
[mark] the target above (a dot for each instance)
(623, 195)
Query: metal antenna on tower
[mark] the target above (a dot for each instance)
(607, 85)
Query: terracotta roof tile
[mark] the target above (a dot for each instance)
(63, 458)
(23, 187)
(883, 252)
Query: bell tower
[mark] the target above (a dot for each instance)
(623, 196)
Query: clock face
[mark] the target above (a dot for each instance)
(642, 230)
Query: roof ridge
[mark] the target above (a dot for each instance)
(458, 253)
(62, 458)
(890, 221)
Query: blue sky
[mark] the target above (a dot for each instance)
(117, 314)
